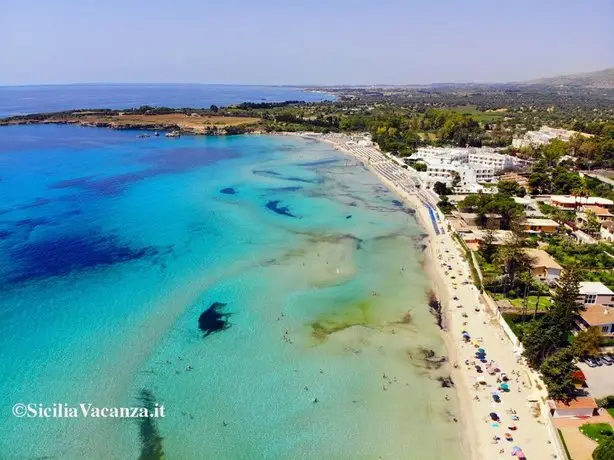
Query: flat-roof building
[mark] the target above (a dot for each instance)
(532, 225)
(572, 203)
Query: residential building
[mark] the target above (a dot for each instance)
(529, 206)
(532, 225)
(607, 231)
(543, 265)
(572, 203)
(598, 316)
(582, 406)
(595, 293)
(600, 212)
(515, 177)
(544, 136)
(471, 219)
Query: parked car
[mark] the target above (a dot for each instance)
(591, 362)
(602, 360)
(608, 360)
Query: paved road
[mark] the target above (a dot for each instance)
(600, 380)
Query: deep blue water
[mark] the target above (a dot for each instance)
(20, 100)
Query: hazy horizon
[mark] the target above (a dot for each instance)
(274, 43)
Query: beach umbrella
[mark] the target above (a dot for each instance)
(505, 386)
(494, 416)
(481, 350)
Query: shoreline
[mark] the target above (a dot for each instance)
(444, 262)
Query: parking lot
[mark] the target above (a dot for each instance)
(600, 380)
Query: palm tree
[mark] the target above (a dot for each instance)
(580, 192)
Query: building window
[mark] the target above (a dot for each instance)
(605, 329)
(590, 298)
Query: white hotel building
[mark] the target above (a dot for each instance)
(474, 166)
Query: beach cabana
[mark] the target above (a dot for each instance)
(580, 407)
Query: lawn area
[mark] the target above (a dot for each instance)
(488, 270)
(611, 411)
(599, 432)
(484, 117)
(544, 302)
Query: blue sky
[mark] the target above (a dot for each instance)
(301, 42)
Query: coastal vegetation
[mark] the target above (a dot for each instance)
(604, 451)
(593, 261)
(546, 340)
(402, 119)
(485, 205)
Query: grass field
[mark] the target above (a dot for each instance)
(484, 117)
(544, 302)
(599, 432)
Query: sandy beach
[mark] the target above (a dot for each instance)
(520, 410)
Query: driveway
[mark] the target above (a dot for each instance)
(600, 380)
(580, 447)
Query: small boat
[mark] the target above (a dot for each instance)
(173, 134)
(156, 134)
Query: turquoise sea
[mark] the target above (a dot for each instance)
(111, 248)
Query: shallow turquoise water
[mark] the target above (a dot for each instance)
(110, 249)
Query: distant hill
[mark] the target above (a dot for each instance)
(598, 79)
